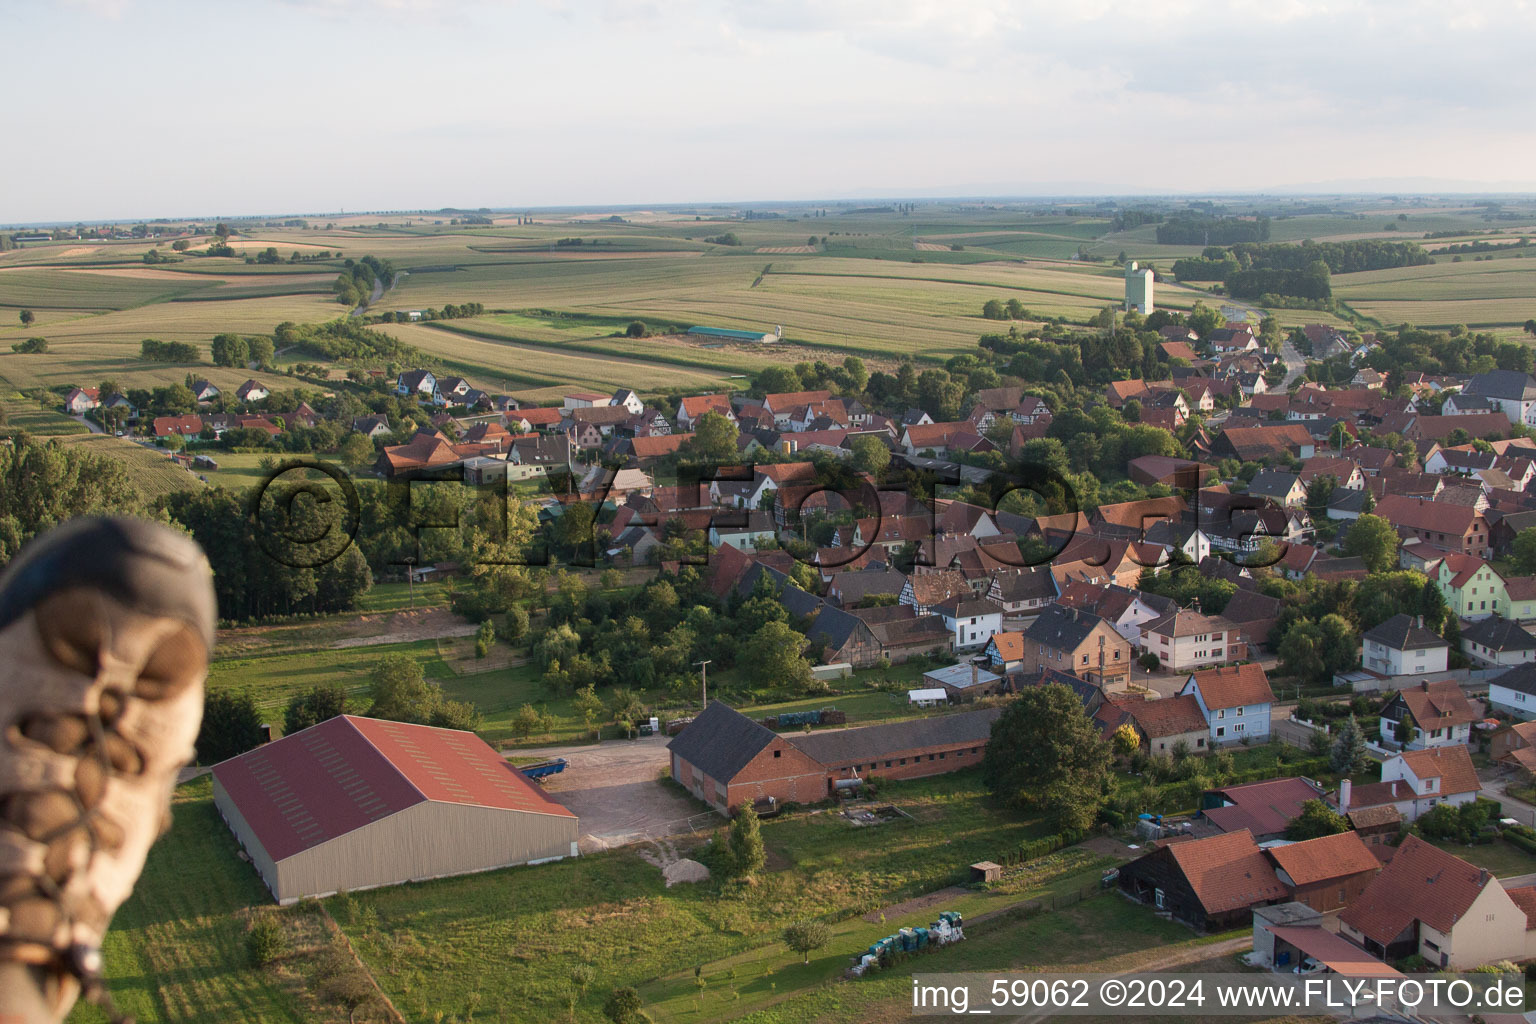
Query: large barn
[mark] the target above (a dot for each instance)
(726, 759)
(354, 803)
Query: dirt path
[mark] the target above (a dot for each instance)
(915, 904)
(406, 626)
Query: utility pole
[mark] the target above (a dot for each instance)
(704, 681)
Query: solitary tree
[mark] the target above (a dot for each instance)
(805, 936)
(1374, 540)
(746, 843)
(27, 316)
(623, 1006)
(1046, 753)
(1348, 755)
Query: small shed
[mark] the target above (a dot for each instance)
(928, 697)
(964, 681)
(986, 871)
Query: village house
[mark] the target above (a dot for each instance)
(690, 409)
(1413, 781)
(1497, 642)
(1431, 903)
(1235, 700)
(972, 620)
(1470, 586)
(1184, 640)
(1509, 391)
(79, 401)
(1435, 524)
(1514, 692)
(252, 391)
(1402, 646)
(1022, 594)
(1428, 715)
(1166, 726)
(1080, 643)
(1515, 745)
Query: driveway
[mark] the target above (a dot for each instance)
(615, 791)
(1494, 781)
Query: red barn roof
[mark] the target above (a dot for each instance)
(347, 772)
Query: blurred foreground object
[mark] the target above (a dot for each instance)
(106, 626)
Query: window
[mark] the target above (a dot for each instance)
(1220, 731)
(776, 753)
(941, 757)
(1085, 659)
(1239, 712)
(975, 749)
(1221, 713)
(887, 764)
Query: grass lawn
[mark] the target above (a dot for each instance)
(176, 950)
(518, 933)
(280, 663)
(1499, 857)
(1102, 927)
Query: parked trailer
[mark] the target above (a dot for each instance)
(544, 769)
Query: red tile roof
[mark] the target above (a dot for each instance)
(1234, 685)
(1170, 716)
(1420, 882)
(697, 405)
(348, 772)
(1452, 765)
(1227, 872)
(1525, 898)
(1439, 705)
(1317, 860)
(1264, 808)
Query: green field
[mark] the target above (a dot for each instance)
(176, 950)
(878, 285)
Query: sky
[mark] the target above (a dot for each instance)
(121, 109)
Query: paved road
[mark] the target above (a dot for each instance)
(1295, 362)
(90, 425)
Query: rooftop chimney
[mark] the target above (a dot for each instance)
(1345, 789)
(1482, 876)
(975, 674)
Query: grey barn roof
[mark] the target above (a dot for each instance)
(720, 741)
(873, 742)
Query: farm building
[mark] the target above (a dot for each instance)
(728, 334)
(726, 759)
(355, 803)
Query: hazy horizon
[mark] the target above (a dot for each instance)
(174, 110)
